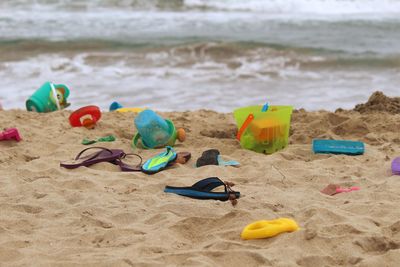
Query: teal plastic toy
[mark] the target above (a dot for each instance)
(49, 97)
(347, 147)
(154, 131)
(264, 130)
(114, 106)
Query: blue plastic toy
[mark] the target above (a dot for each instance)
(115, 106)
(154, 131)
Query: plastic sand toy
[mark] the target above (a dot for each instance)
(321, 146)
(135, 110)
(333, 189)
(87, 116)
(265, 229)
(347, 190)
(263, 129)
(154, 131)
(108, 138)
(115, 106)
(49, 97)
(10, 134)
(396, 166)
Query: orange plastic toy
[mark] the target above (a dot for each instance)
(86, 116)
(267, 129)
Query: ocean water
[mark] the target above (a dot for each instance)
(194, 54)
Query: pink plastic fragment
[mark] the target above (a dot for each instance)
(10, 134)
(345, 190)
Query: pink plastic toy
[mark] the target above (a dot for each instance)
(333, 189)
(9, 134)
(345, 190)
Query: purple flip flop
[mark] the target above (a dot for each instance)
(103, 155)
(113, 156)
(396, 166)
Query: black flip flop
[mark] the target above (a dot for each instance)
(202, 190)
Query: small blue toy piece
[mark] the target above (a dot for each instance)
(265, 107)
(115, 106)
(222, 162)
(338, 147)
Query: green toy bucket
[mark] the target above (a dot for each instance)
(263, 132)
(49, 97)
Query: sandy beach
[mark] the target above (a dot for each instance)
(100, 216)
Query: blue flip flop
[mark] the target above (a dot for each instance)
(202, 190)
(160, 161)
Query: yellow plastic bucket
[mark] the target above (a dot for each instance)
(263, 132)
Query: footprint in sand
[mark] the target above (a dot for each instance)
(9, 255)
(377, 244)
(28, 208)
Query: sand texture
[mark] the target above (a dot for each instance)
(100, 216)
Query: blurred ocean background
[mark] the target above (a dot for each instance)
(194, 54)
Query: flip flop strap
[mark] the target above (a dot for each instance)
(231, 193)
(133, 154)
(95, 154)
(208, 184)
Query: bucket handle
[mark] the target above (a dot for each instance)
(244, 126)
(135, 141)
(53, 90)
